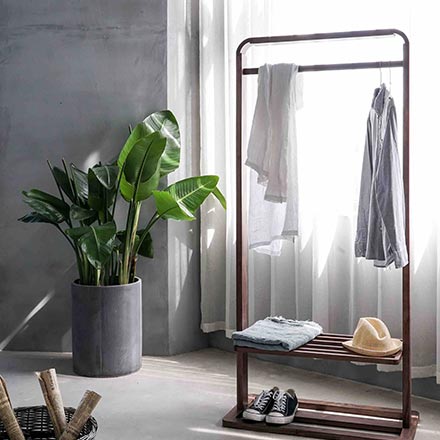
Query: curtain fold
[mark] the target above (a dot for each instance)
(317, 276)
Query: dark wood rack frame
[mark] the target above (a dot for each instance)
(319, 419)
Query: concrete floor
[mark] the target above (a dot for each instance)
(185, 396)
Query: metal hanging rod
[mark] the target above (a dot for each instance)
(321, 36)
(342, 66)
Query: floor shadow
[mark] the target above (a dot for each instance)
(26, 362)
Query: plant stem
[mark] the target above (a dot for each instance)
(116, 268)
(117, 190)
(130, 241)
(79, 265)
(108, 271)
(133, 253)
(105, 206)
(131, 237)
(150, 224)
(133, 261)
(123, 276)
(81, 260)
(83, 267)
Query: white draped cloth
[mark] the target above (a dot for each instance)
(272, 155)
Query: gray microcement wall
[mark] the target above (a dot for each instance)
(73, 75)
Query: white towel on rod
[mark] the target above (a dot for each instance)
(272, 154)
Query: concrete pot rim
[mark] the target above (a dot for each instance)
(114, 286)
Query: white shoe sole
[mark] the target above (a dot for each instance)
(277, 420)
(253, 416)
(274, 420)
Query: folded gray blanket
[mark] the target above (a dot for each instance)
(277, 333)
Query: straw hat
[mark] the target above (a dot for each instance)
(372, 338)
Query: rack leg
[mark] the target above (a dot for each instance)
(242, 380)
(406, 372)
(406, 297)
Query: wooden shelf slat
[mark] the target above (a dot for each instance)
(318, 347)
(335, 335)
(349, 408)
(327, 346)
(327, 342)
(349, 421)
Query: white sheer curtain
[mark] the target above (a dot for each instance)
(317, 277)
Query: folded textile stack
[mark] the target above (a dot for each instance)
(277, 333)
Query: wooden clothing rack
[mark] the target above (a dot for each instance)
(320, 419)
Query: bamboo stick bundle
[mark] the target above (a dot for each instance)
(87, 405)
(7, 414)
(54, 402)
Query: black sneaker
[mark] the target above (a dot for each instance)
(260, 406)
(284, 408)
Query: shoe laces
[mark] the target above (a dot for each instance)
(280, 403)
(262, 400)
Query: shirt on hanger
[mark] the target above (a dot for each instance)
(272, 155)
(380, 232)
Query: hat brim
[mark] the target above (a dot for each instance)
(396, 346)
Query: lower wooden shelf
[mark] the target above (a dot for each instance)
(328, 346)
(328, 420)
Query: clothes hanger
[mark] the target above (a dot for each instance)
(390, 77)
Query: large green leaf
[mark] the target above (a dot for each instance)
(193, 191)
(80, 183)
(126, 189)
(146, 248)
(63, 182)
(139, 132)
(97, 243)
(78, 232)
(97, 252)
(142, 166)
(46, 210)
(182, 199)
(165, 122)
(143, 159)
(144, 191)
(167, 207)
(101, 189)
(82, 214)
(219, 196)
(96, 198)
(47, 205)
(55, 202)
(107, 175)
(34, 217)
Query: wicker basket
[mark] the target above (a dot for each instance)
(36, 424)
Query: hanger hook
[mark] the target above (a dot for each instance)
(380, 72)
(389, 72)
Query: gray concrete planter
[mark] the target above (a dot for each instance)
(107, 329)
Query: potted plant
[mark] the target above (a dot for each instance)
(106, 298)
